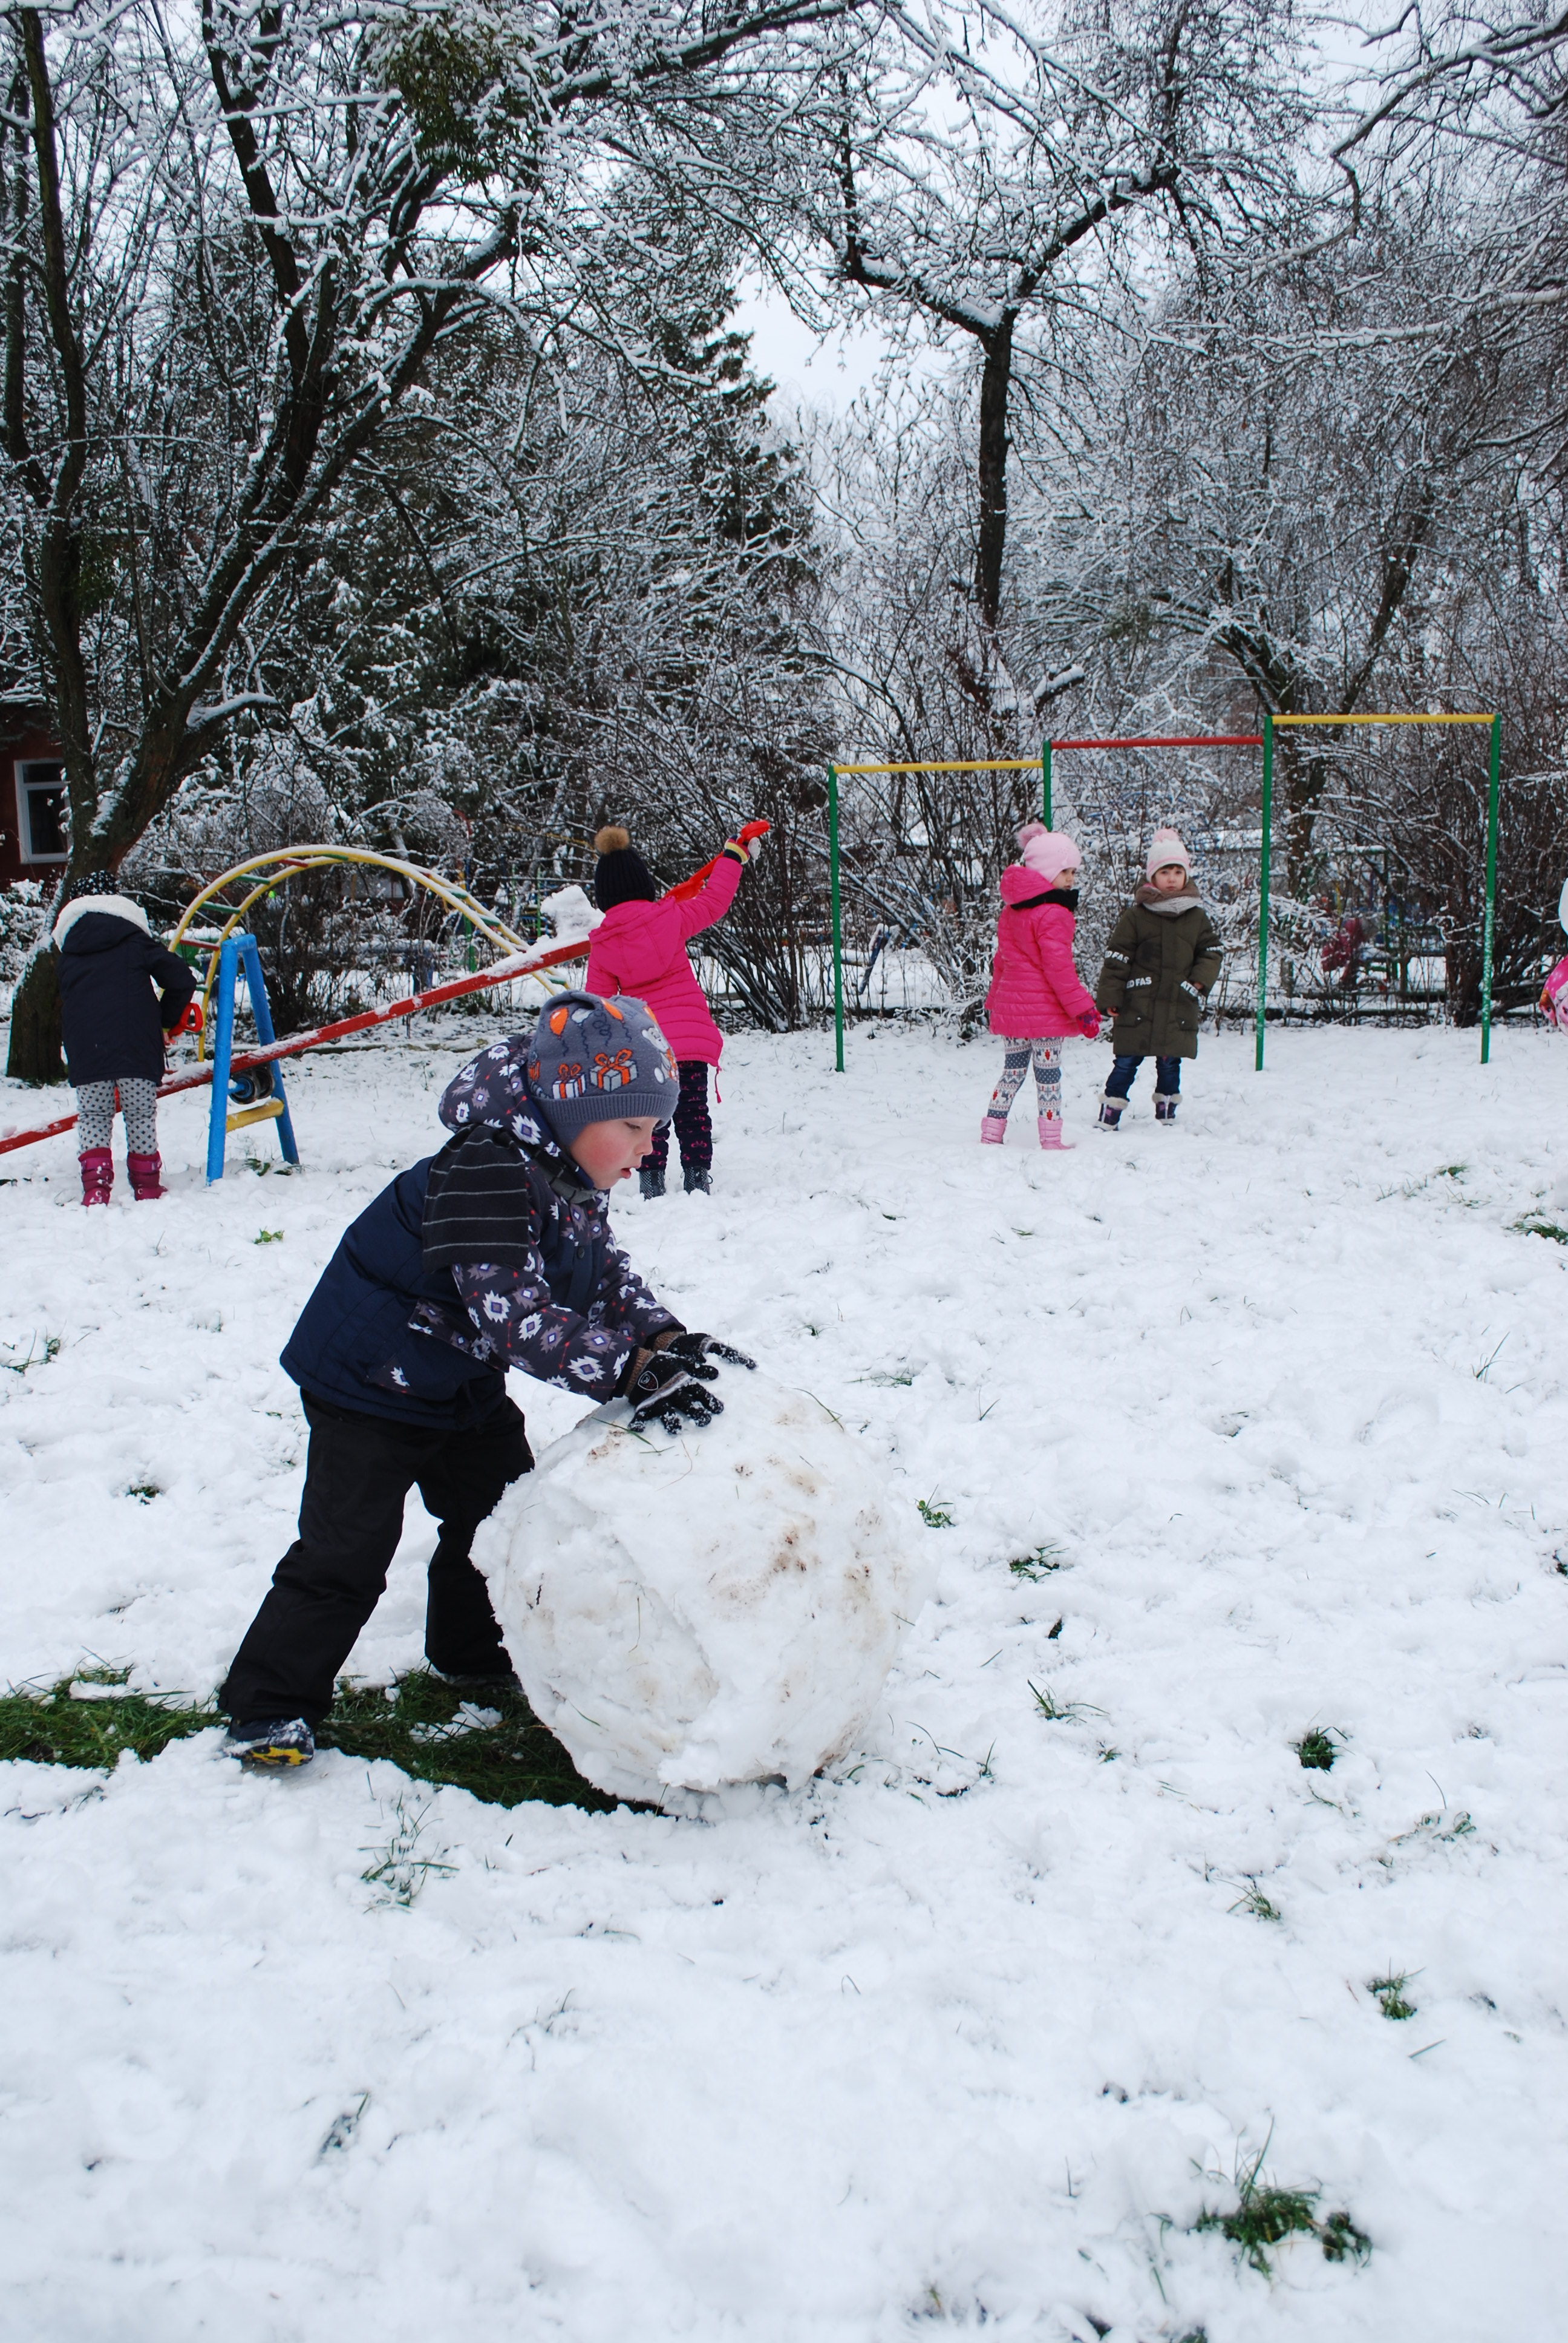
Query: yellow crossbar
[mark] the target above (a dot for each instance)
(1279, 720)
(267, 1112)
(985, 765)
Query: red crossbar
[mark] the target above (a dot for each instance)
(521, 964)
(1172, 741)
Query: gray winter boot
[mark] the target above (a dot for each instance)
(1165, 1105)
(650, 1180)
(1111, 1112)
(703, 1179)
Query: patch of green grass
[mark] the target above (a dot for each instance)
(934, 1514)
(36, 1357)
(1388, 1992)
(503, 1763)
(50, 1728)
(1316, 1750)
(1342, 2241)
(1066, 1712)
(1265, 2216)
(1532, 1226)
(1255, 1902)
(401, 1871)
(1038, 1564)
(145, 1490)
(269, 1236)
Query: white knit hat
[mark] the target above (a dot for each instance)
(1166, 847)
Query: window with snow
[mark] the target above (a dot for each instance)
(41, 812)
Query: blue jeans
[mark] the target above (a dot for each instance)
(1167, 1076)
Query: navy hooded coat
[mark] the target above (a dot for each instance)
(113, 1021)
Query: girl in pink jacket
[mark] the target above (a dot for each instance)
(639, 949)
(1035, 997)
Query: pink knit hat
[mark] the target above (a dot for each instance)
(1046, 850)
(1164, 846)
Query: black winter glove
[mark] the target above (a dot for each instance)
(668, 1387)
(696, 1349)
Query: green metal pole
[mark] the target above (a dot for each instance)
(838, 924)
(1490, 922)
(1263, 882)
(1045, 783)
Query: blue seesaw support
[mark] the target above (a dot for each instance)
(238, 956)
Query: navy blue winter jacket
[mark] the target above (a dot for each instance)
(112, 1020)
(385, 1334)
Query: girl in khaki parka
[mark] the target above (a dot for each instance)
(1160, 958)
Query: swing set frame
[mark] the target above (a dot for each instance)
(1265, 740)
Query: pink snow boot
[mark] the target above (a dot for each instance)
(1051, 1134)
(144, 1170)
(98, 1175)
(993, 1130)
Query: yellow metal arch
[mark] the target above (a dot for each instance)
(269, 872)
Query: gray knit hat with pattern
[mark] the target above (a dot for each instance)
(591, 1060)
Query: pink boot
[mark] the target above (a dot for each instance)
(144, 1170)
(98, 1175)
(993, 1130)
(1050, 1135)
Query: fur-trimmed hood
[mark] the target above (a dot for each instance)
(1171, 907)
(114, 907)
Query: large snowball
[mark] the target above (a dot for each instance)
(718, 1606)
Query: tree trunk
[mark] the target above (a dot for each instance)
(34, 1055)
(996, 387)
(1305, 777)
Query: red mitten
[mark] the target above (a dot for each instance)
(190, 1019)
(1088, 1024)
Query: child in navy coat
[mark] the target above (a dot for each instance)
(114, 1024)
(495, 1253)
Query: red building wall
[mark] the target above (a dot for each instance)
(25, 741)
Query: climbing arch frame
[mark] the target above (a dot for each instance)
(263, 873)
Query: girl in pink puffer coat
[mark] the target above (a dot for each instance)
(639, 948)
(1035, 998)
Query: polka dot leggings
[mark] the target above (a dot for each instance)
(96, 1115)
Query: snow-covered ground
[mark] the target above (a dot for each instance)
(971, 2033)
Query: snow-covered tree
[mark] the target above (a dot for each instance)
(235, 242)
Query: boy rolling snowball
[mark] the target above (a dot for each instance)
(1160, 958)
(495, 1253)
(639, 948)
(1035, 998)
(115, 1026)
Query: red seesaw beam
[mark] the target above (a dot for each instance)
(521, 964)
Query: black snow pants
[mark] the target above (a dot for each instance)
(359, 1471)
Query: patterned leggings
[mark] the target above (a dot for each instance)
(693, 1125)
(96, 1115)
(1046, 1077)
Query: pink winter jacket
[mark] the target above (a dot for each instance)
(1034, 986)
(640, 949)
